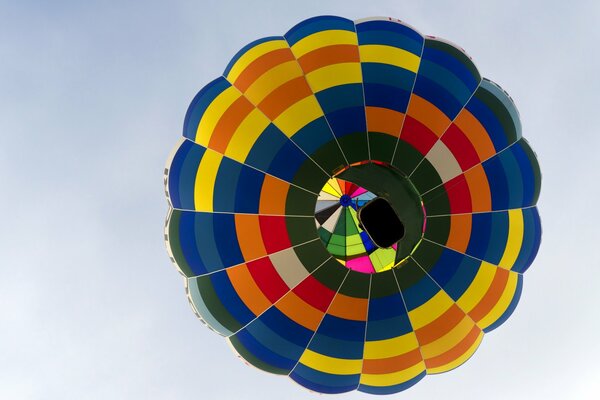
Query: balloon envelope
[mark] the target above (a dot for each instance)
(267, 187)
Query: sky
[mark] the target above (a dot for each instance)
(92, 100)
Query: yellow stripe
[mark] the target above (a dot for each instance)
(331, 365)
(449, 340)
(323, 39)
(205, 180)
(459, 360)
(377, 53)
(298, 115)
(271, 80)
(515, 239)
(213, 113)
(478, 288)
(375, 349)
(393, 378)
(334, 75)
(245, 135)
(432, 309)
(507, 295)
(252, 54)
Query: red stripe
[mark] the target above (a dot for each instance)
(460, 146)
(267, 279)
(315, 293)
(458, 195)
(418, 135)
(274, 233)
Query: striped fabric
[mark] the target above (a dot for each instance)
(263, 223)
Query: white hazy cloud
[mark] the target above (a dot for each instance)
(92, 100)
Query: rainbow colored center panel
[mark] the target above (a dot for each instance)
(268, 189)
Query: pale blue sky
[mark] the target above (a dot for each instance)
(92, 100)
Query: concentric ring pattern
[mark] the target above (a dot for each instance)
(261, 142)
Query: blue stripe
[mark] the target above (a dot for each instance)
(531, 240)
(323, 382)
(317, 24)
(478, 243)
(385, 96)
(226, 239)
(263, 353)
(187, 240)
(199, 105)
(447, 80)
(338, 348)
(313, 136)
(285, 327)
(489, 121)
(498, 237)
(274, 342)
(388, 328)
(247, 194)
(230, 299)
(514, 177)
(497, 180)
(438, 96)
(452, 64)
(340, 97)
(388, 75)
(187, 175)
(342, 328)
(419, 293)
(526, 174)
(206, 241)
(392, 388)
(175, 174)
(225, 185)
(390, 34)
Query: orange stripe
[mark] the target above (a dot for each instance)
(440, 326)
(490, 299)
(451, 355)
(460, 232)
(428, 114)
(247, 289)
(261, 65)
(299, 311)
(284, 96)
(384, 120)
(336, 54)
(481, 198)
(392, 364)
(349, 307)
(247, 229)
(273, 196)
(228, 123)
(476, 134)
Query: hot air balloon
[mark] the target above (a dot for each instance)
(352, 205)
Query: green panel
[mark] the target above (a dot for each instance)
(383, 284)
(355, 146)
(438, 229)
(331, 274)
(406, 158)
(408, 274)
(312, 254)
(356, 285)
(436, 202)
(215, 305)
(425, 177)
(340, 227)
(250, 358)
(329, 157)
(174, 243)
(427, 254)
(301, 229)
(300, 202)
(535, 167)
(310, 177)
(382, 146)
